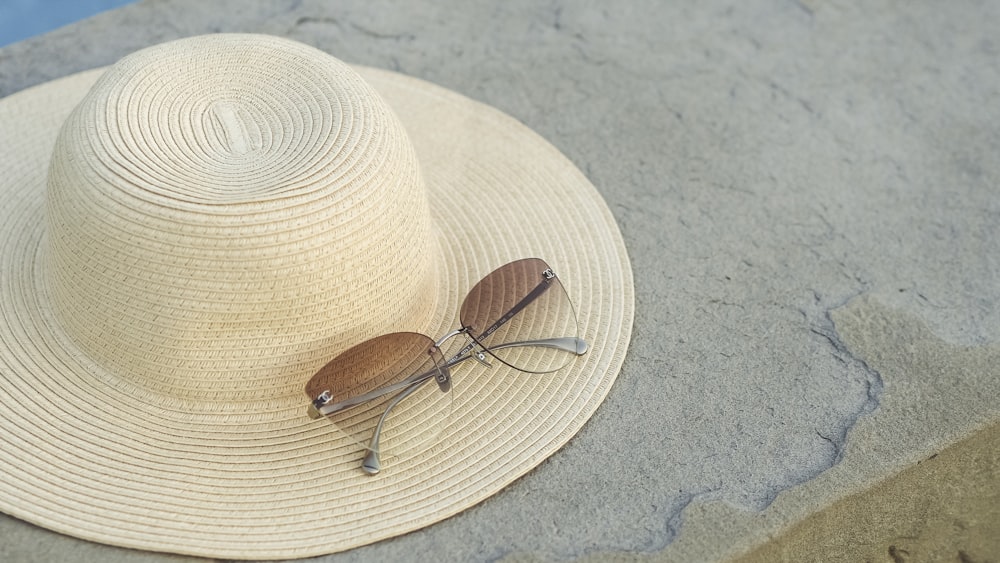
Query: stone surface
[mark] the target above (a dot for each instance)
(809, 195)
(944, 508)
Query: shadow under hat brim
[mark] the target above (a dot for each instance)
(86, 455)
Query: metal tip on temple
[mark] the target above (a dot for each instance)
(313, 412)
(371, 464)
(581, 346)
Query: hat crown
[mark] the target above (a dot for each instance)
(227, 212)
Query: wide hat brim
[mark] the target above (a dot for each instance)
(87, 457)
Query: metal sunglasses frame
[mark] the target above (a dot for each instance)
(323, 404)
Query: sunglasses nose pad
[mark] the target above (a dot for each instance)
(443, 378)
(481, 358)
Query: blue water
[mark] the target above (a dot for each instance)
(21, 19)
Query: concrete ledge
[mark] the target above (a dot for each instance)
(808, 192)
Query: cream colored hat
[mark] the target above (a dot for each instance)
(188, 235)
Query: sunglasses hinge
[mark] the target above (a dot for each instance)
(322, 399)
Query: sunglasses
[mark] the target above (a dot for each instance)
(519, 315)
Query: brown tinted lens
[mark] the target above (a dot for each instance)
(519, 303)
(370, 367)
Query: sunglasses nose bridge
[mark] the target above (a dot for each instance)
(450, 335)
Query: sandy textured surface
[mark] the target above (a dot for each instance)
(810, 195)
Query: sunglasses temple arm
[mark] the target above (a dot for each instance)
(371, 464)
(577, 346)
(569, 344)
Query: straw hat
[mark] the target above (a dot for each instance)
(188, 235)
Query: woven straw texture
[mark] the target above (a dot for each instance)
(223, 215)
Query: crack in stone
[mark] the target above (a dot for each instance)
(384, 35)
(307, 20)
(873, 382)
(873, 390)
